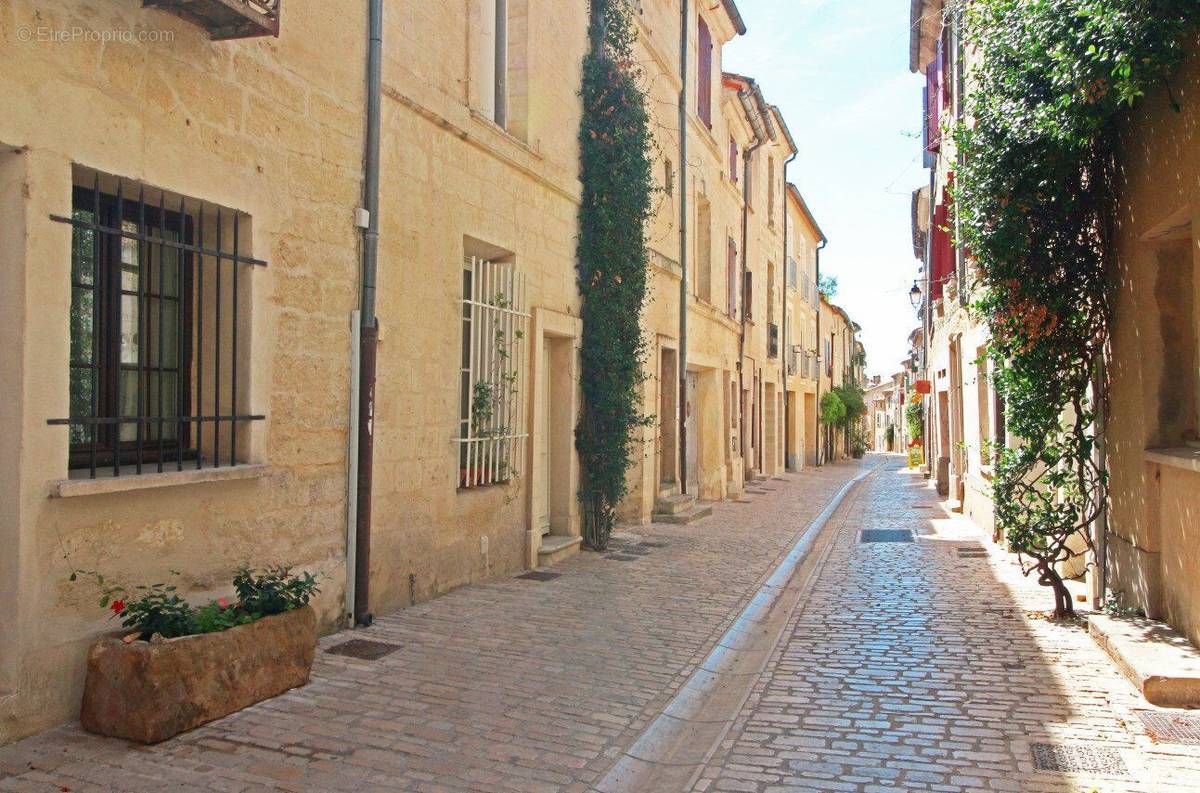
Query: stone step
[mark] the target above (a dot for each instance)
(1159, 661)
(684, 518)
(673, 505)
(557, 547)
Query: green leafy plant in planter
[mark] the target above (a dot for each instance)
(1034, 199)
(157, 610)
(273, 590)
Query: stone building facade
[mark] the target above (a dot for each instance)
(805, 241)
(965, 419)
(182, 274)
(143, 142)
(1152, 559)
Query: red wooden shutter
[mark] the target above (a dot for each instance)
(941, 257)
(704, 73)
(937, 95)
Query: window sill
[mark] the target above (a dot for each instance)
(71, 488)
(1183, 457)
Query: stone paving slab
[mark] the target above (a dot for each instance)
(514, 685)
(911, 667)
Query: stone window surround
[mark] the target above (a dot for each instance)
(250, 464)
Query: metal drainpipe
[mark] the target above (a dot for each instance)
(369, 339)
(681, 408)
(746, 156)
(927, 332)
(1100, 529)
(820, 358)
(785, 340)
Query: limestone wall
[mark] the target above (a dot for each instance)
(270, 128)
(1154, 504)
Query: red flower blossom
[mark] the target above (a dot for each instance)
(223, 603)
(117, 606)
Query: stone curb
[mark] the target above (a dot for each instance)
(671, 752)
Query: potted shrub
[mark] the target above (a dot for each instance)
(183, 666)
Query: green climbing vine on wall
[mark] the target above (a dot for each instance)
(615, 149)
(1034, 201)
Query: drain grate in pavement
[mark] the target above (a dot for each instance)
(652, 545)
(539, 575)
(886, 535)
(363, 649)
(1074, 759)
(622, 557)
(971, 551)
(1171, 727)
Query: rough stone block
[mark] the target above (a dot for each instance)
(148, 692)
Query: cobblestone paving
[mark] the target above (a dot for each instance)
(513, 685)
(909, 667)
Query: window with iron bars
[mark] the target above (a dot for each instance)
(157, 368)
(492, 432)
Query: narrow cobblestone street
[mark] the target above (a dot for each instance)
(905, 666)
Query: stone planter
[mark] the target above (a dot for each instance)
(148, 692)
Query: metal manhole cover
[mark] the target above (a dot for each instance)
(539, 575)
(886, 535)
(363, 649)
(622, 557)
(1171, 727)
(1075, 758)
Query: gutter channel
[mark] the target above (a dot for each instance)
(673, 750)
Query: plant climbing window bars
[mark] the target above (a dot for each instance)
(492, 406)
(156, 362)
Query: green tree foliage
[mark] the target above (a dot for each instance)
(827, 285)
(833, 410)
(1034, 197)
(914, 417)
(854, 401)
(615, 146)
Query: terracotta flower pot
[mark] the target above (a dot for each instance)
(150, 691)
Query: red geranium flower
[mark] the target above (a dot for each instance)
(117, 606)
(223, 603)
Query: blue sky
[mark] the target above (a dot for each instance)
(838, 69)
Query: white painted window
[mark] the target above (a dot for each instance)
(491, 60)
(492, 429)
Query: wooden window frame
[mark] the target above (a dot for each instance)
(106, 334)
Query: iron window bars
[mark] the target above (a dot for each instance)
(149, 347)
(492, 404)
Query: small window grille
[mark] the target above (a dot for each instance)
(492, 410)
(155, 362)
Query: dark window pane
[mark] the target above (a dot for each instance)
(164, 270)
(164, 333)
(81, 402)
(83, 249)
(82, 342)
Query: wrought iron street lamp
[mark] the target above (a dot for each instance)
(914, 295)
